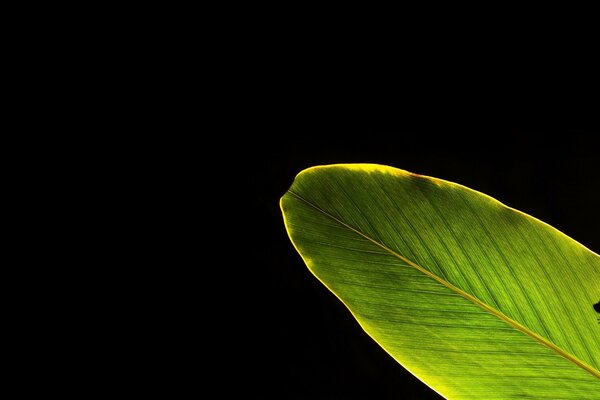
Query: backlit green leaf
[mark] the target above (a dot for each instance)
(476, 299)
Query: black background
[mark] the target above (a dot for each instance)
(306, 345)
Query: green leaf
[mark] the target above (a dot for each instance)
(476, 299)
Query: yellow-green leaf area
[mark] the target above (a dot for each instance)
(476, 299)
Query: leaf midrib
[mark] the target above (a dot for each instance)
(516, 325)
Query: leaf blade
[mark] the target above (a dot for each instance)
(370, 202)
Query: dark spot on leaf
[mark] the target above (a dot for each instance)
(597, 307)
